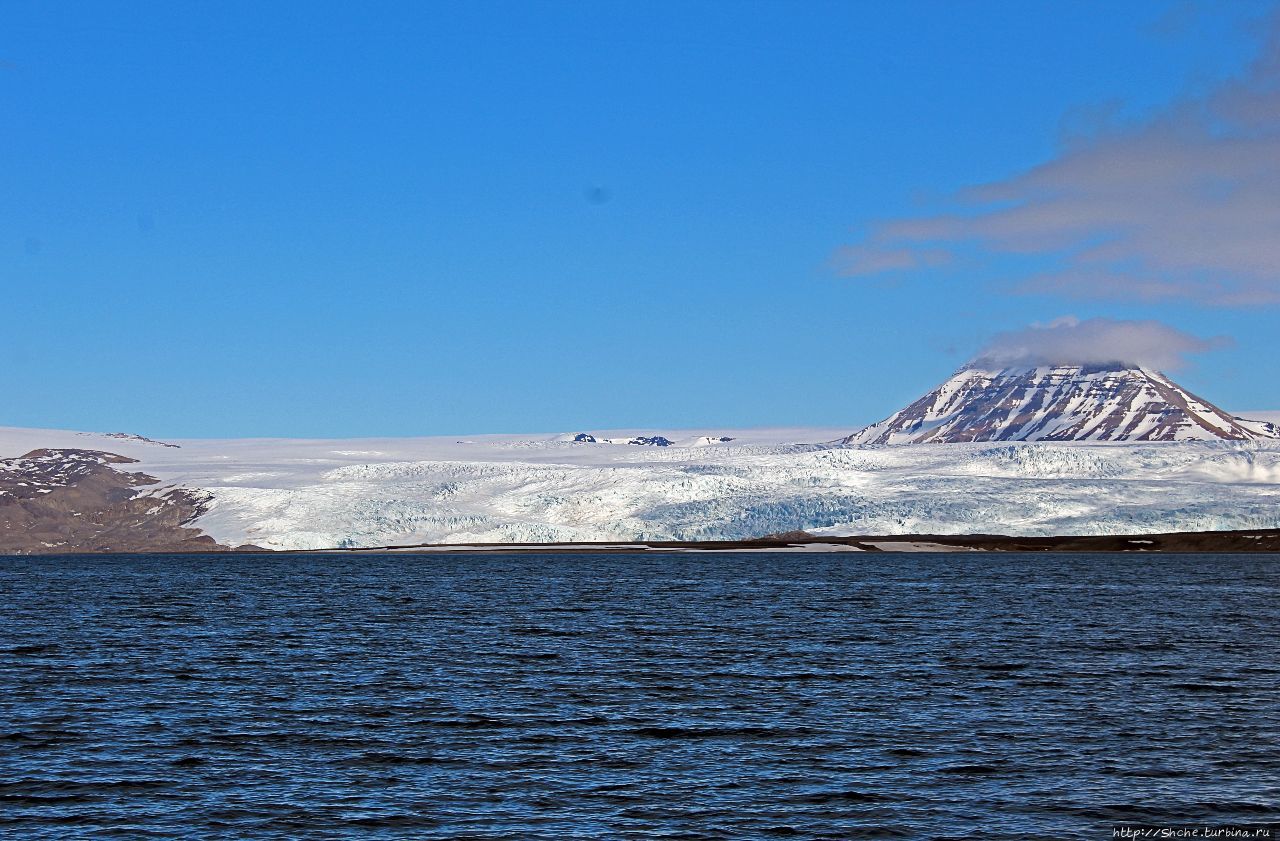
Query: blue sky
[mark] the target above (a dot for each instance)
(315, 219)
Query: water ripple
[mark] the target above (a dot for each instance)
(621, 696)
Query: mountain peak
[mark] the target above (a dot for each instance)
(1096, 402)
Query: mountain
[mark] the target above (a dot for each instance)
(1060, 403)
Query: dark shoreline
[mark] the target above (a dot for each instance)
(1251, 541)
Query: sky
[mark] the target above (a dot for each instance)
(335, 219)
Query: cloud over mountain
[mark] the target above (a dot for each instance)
(1185, 205)
(1096, 341)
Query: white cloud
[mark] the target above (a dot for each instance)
(1096, 341)
(1182, 206)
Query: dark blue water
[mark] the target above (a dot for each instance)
(636, 696)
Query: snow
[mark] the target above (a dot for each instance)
(309, 494)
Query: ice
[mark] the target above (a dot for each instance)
(309, 494)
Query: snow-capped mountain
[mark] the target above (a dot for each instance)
(1060, 403)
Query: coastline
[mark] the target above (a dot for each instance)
(1247, 541)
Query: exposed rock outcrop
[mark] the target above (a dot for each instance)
(67, 501)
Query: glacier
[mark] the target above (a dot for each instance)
(315, 494)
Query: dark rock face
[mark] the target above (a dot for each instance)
(62, 501)
(129, 436)
(584, 438)
(655, 441)
(1060, 403)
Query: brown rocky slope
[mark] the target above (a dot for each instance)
(64, 501)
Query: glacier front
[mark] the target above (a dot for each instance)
(312, 494)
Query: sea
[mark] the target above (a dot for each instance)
(701, 695)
